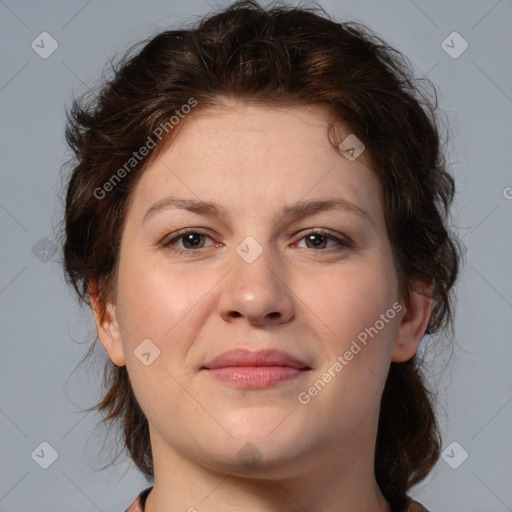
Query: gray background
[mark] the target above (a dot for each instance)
(45, 333)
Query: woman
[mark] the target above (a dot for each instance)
(257, 217)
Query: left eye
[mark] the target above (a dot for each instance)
(195, 240)
(191, 240)
(317, 239)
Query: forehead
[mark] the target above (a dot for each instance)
(243, 154)
(236, 128)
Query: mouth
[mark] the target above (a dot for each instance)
(261, 369)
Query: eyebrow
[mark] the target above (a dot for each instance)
(298, 210)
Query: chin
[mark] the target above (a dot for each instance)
(264, 424)
(259, 446)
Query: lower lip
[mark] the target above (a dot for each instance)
(255, 377)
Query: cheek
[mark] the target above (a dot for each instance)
(157, 304)
(152, 298)
(350, 306)
(351, 298)
(168, 307)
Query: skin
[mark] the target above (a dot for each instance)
(309, 300)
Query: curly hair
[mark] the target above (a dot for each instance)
(275, 56)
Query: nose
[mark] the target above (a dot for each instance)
(257, 292)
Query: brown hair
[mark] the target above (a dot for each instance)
(286, 56)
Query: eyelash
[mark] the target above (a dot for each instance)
(343, 242)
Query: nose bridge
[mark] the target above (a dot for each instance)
(256, 287)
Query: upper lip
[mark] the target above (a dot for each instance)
(245, 357)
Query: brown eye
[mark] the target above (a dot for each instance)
(318, 240)
(190, 240)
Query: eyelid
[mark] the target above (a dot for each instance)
(342, 240)
(181, 233)
(327, 233)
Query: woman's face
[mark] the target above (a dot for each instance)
(264, 267)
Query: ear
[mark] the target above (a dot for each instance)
(107, 325)
(414, 323)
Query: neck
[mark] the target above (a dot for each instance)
(342, 484)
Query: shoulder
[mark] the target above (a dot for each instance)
(140, 501)
(414, 506)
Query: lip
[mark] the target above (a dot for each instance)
(260, 369)
(245, 357)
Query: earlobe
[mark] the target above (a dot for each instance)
(107, 325)
(413, 323)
